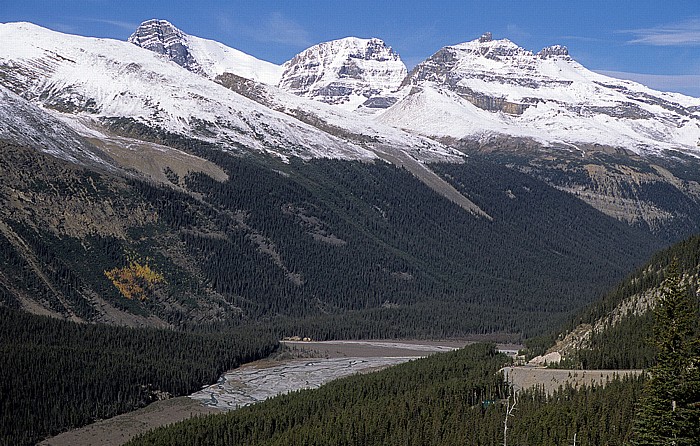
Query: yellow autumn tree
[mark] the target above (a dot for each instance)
(136, 280)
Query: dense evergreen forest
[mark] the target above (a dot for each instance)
(459, 398)
(369, 242)
(627, 343)
(322, 248)
(451, 398)
(56, 375)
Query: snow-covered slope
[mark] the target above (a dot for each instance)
(26, 124)
(351, 73)
(348, 72)
(202, 56)
(489, 87)
(105, 79)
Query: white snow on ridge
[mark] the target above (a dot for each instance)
(345, 72)
(471, 90)
(26, 124)
(117, 79)
(548, 97)
(216, 58)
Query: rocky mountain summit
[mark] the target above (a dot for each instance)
(202, 56)
(161, 37)
(488, 87)
(349, 72)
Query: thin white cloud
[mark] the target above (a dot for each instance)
(275, 28)
(118, 24)
(688, 84)
(64, 28)
(128, 26)
(514, 32)
(685, 33)
(280, 29)
(582, 39)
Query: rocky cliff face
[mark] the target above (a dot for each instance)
(350, 72)
(161, 37)
(545, 96)
(488, 61)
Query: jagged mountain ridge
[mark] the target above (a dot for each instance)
(202, 56)
(101, 86)
(350, 73)
(489, 87)
(546, 97)
(106, 79)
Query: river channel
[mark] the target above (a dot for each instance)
(259, 381)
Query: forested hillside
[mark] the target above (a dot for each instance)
(451, 398)
(331, 248)
(57, 375)
(616, 332)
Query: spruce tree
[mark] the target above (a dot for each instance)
(669, 410)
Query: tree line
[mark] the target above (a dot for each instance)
(452, 398)
(57, 375)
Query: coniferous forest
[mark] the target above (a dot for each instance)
(628, 342)
(459, 398)
(56, 375)
(324, 248)
(364, 246)
(446, 399)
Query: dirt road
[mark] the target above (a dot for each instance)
(524, 377)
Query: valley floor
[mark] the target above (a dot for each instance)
(299, 365)
(120, 429)
(305, 365)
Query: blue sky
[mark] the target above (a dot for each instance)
(656, 42)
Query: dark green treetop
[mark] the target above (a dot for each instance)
(669, 410)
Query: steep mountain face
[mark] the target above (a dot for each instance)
(615, 331)
(28, 125)
(230, 200)
(613, 143)
(349, 72)
(161, 37)
(202, 56)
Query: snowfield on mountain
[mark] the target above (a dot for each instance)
(491, 87)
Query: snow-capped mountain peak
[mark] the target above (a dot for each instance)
(348, 72)
(487, 47)
(202, 56)
(494, 87)
(160, 36)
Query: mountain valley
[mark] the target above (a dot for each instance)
(194, 152)
(215, 202)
